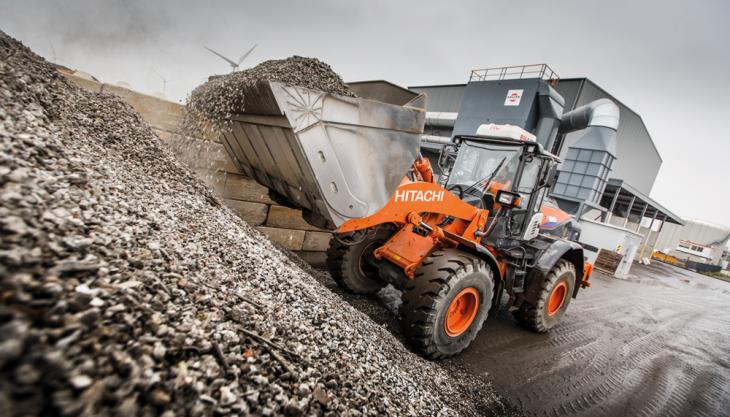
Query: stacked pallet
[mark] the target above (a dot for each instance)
(608, 261)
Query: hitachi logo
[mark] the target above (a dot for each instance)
(418, 195)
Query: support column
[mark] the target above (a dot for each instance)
(664, 220)
(641, 218)
(628, 211)
(648, 234)
(613, 205)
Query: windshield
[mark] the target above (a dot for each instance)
(480, 163)
(483, 169)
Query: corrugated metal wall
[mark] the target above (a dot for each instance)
(569, 89)
(446, 98)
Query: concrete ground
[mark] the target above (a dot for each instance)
(656, 344)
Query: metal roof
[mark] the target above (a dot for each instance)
(442, 98)
(404, 89)
(642, 204)
(382, 90)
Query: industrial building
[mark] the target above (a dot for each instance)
(637, 160)
(697, 242)
(607, 189)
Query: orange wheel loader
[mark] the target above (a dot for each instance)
(454, 249)
(453, 245)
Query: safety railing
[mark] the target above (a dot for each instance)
(541, 71)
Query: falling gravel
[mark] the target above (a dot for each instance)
(128, 289)
(216, 100)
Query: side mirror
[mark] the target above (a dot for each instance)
(549, 176)
(446, 156)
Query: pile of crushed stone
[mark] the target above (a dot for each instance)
(222, 96)
(128, 289)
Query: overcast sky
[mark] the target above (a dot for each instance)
(667, 60)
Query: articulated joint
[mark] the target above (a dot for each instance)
(433, 231)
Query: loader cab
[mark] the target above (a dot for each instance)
(487, 169)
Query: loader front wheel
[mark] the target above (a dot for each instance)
(445, 304)
(353, 266)
(552, 301)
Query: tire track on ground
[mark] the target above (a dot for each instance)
(644, 347)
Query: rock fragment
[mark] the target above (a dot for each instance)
(224, 95)
(126, 290)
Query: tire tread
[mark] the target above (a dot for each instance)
(531, 315)
(433, 280)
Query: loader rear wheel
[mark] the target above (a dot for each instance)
(554, 298)
(353, 266)
(445, 304)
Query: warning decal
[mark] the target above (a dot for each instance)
(513, 98)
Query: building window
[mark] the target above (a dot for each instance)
(694, 249)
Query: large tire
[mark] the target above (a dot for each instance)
(430, 299)
(349, 267)
(554, 297)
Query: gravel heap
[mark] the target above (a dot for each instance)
(224, 95)
(127, 288)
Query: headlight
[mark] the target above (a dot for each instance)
(506, 198)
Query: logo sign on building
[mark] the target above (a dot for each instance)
(513, 98)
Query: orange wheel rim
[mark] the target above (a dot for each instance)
(461, 312)
(557, 298)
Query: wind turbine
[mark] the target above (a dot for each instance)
(164, 81)
(234, 64)
(53, 50)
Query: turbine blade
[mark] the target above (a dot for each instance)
(246, 54)
(158, 74)
(222, 57)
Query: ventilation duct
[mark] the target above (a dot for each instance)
(441, 119)
(588, 162)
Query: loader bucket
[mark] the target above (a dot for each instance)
(335, 157)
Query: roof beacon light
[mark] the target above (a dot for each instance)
(505, 132)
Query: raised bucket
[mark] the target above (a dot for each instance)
(335, 157)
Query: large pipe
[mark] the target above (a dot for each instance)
(441, 119)
(599, 113)
(439, 140)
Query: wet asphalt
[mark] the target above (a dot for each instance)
(654, 344)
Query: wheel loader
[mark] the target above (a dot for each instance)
(455, 246)
(453, 250)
